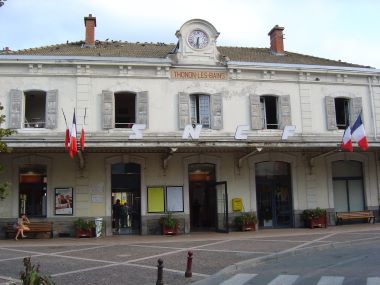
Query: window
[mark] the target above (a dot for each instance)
(35, 109)
(269, 112)
(342, 112)
(200, 110)
(125, 110)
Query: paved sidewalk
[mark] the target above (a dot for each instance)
(133, 259)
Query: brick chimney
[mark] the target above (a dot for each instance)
(277, 40)
(90, 24)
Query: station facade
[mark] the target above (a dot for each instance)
(185, 128)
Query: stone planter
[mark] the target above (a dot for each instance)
(80, 233)
(320, 222)
(248, 227)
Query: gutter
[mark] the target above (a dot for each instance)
(324, 68)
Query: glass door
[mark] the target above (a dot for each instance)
(274, 194)
(221, 207)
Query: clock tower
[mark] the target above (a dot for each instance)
(197, 43)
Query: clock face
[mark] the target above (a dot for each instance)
(198, 39)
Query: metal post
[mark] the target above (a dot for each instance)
(160, 270)
(188, 272)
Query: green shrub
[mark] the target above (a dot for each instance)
(32, 276)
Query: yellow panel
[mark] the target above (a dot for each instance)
(156, 199)
(237, 204)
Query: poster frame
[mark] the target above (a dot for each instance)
(58, 208)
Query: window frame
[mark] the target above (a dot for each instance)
(200, 111)
(342, 102)
(34, 122)
(264, 105)
(128, 125)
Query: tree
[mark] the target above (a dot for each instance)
(4, 148)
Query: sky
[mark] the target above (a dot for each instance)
(345, 30)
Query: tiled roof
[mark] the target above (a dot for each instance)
(162, 50)
(265, 55)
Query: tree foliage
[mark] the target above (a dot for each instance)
(4, 148)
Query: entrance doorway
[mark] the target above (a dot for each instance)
(202, 195)
(274, 194)
(348, 186)
(32, 190)
(126, 187)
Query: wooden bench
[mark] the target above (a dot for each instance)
(35, 229)
(357, 215)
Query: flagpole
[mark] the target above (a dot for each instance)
(64, 117)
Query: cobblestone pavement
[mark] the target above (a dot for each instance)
(133, 259)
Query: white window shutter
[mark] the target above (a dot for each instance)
(284, 111)
(142, 108)
(217, 111)
(107, 109)
(330, 113)
(51, 109)
(183, 110)
(355, 109)
(15, 115)
(255, 112)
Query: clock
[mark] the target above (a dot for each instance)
(197, 39)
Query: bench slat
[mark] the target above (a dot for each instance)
(35, 227)
(344, 216)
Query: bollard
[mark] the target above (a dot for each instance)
(188, 272)
(160, 270)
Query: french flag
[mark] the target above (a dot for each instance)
(346, 141)
(73, 138)
(358, 134)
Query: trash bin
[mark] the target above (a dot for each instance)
(98, 226)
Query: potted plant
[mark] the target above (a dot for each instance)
(84, 228)
(169, 224)
(246, 221)
(315, 218)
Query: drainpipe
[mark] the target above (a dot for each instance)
(372, 106)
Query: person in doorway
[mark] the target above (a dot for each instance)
(196, 208)
(117, 212)
(124, 217)
(21, 226)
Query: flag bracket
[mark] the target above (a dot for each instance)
(240, 160)
(313, 158)
(81, 159)
(168, 156)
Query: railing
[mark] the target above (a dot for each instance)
(124, 125)
(34, 123)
